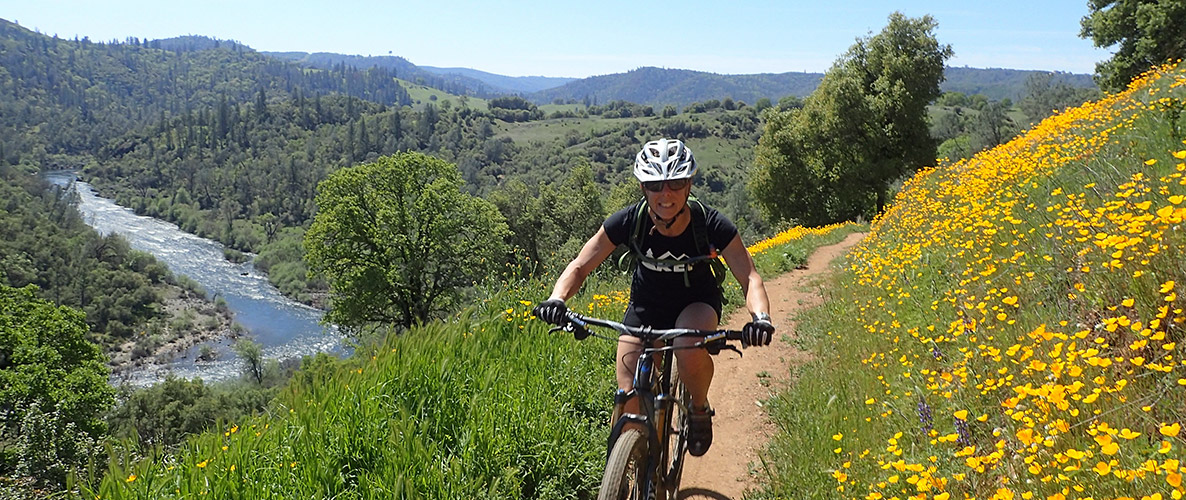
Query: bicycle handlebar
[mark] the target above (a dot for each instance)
(578, 324)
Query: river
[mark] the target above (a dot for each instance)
(285, 328)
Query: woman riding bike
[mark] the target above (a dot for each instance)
(674, 240)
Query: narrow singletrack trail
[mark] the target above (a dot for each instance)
(741, 428)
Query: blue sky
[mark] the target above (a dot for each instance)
(580, 39)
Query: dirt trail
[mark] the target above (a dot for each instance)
(741, 428)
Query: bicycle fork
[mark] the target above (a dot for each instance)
(654, 414)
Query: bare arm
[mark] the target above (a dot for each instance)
(592, 254)
(752, 286)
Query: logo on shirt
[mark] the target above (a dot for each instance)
(664, 267)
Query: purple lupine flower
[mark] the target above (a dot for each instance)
(965, 434)
(924, 416)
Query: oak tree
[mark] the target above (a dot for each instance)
(864, 127)
(1148, 32)
(397, 239)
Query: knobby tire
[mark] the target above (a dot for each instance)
(624, 469)
(678, 437)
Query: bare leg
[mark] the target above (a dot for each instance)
(695, 365)
(628, 350)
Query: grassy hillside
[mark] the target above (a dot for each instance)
(422, 95)
(1010, 327)
(486, 405)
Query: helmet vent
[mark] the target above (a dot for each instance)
(664, 159)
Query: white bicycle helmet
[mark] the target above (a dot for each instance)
(664, 159)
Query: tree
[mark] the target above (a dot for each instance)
(864, 127)
(575, 212)
(523, 213)
(252, 353)
(801, 154)
(1149, 32)
(991, 127)
(53, 389)
(397, 239)
(1044, 96)
(552, 222)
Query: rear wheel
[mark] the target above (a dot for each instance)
(624, 471)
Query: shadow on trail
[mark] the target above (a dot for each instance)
(700, 493)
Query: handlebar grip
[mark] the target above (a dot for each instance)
(723, 335)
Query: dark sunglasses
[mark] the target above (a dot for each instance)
(672, 184)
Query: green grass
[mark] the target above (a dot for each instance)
(553, 108)
(557, 129)
(422, 96)
(734, 155)
(486, 405)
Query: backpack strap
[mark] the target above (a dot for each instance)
(635, 241)
(699, 225)
(700, 233)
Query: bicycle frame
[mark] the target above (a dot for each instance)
(653, 389)
(659, 392)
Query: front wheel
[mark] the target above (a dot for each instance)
(625, 471)
(677, 438)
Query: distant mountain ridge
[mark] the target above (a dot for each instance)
(662, 86)
(522, 84)
(999, 83)
(680, 87)
(657, 86)
(453, 83)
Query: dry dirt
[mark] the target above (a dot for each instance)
(741, 384)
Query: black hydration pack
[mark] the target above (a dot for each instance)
(699, 225)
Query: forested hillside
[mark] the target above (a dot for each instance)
(998, 84)
(396, 66)
(658, 87)
(245, 174)
(73, 96)
(510, 83)
(230, 144)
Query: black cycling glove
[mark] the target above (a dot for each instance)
(551, 310)
(757, 332)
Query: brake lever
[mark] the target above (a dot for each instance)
(715, 345)
(578, 332)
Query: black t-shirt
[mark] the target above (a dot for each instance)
(661, 285)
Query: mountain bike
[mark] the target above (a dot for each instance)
(646, 450)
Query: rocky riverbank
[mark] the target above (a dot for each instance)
(188, 318)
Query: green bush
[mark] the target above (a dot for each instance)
(53, 389)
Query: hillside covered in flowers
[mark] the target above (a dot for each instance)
(1012, 326)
